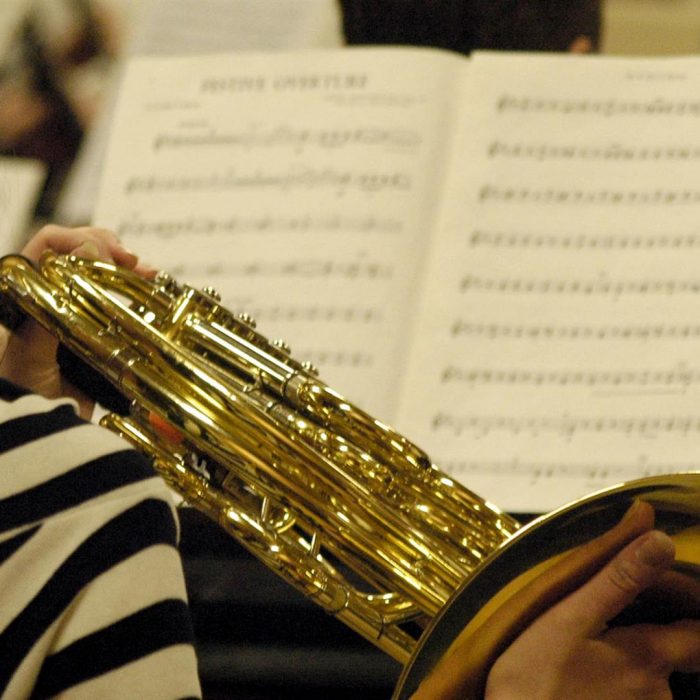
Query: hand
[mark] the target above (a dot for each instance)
(570, 652)
(567, 650)
(85, 242)
(29, 358)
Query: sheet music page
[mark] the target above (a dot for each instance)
(559, 343)
(21, 180)
(302, 186)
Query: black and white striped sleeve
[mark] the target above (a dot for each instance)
(92, 596)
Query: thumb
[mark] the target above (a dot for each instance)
(634, 569)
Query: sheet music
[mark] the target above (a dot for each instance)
(302, 189)
(20, 183)
(558, 348)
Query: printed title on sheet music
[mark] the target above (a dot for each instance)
(284, 83)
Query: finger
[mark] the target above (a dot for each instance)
(102, 244)
(674, 596)
(145, 271)
(661, 648)
(124, 257)
(90, 250)
(679, 645)
(109, 249)
(109, 246)
(86, 241)
(637, 567)
(57, 238)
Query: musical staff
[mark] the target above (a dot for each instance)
(588, 287)
(337, 358)
(680, 377)
(644, 332)
(608, 107)
(565, 426)
(612, 152)
(286, 136)
(295, 177)
(594, 472)
(168, 228)
(315, 314)
(304, 269)
(578, 241)
(580, 196)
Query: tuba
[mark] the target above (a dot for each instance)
(341, 506)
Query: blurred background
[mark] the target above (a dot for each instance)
(60, 60)
(59, 70)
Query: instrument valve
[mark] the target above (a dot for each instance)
(282, 345)
(163, 278)
(247, 319)
(211, 292)
(310, 368)
(167, 283)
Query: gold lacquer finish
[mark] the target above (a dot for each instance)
(339, 504)
(305, 480)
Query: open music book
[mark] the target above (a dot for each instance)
(497, 255)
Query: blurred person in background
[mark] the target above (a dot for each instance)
(467, 25)
(52, 78)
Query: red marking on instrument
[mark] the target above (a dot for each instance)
(164, 429)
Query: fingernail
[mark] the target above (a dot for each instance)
(127, 258)
(87, 249)
(656, 549)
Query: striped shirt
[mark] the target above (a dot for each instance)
(92, 595)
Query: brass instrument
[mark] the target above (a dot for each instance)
(317, 489)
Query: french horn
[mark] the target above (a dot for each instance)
(340, 505)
